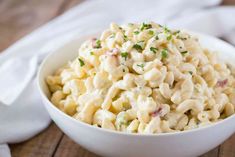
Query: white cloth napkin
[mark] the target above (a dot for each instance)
(21, 111)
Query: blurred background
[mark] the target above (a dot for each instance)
(20, 17)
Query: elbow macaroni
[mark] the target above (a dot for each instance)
(144, 78)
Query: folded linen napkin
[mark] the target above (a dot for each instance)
(21, 111)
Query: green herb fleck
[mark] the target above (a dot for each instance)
(129, 122)
(176, 32)
(184, 52)
(125, 37)
(153, 49)
(151, 32)
(137, 47)
(91, 53)
(123, 70)
(136, 32)
(97, 44)
(191, 72)
(124, 55)
(145, 26)
(141, 65)
(166, 30)
(156, 37)
(81, 62)
(182, 38)
(167, 33)
(164, 53)
(169, 37)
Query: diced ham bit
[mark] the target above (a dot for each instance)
(93, 42)
(114, 55)
(156, 112)
(222, 83)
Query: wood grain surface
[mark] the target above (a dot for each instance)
(20, 17)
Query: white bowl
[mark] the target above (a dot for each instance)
(116, 144)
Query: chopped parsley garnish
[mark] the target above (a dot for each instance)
(166, 30)
(81, 62)
(145, 26)
(182, 38)
(156, 37)
(129, 122)
(124, 55)
(141, 65)
(125, 37)
(137, 47)
(191, 72)
(91, 53)
(123, 70)
(97, 44)
(169, 37)
(167, 33)
(136, 32)
(176, 32)
(153, 49)
(164, 53)
(184, 52)
(151, 32)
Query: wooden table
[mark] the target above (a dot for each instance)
(19, 17)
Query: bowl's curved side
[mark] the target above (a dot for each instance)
(225, 51)
(115, 144)
(188, 144)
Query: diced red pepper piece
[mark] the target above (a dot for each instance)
(157, 112)
(222, 83)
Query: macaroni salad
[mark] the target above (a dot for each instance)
(144, 78)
